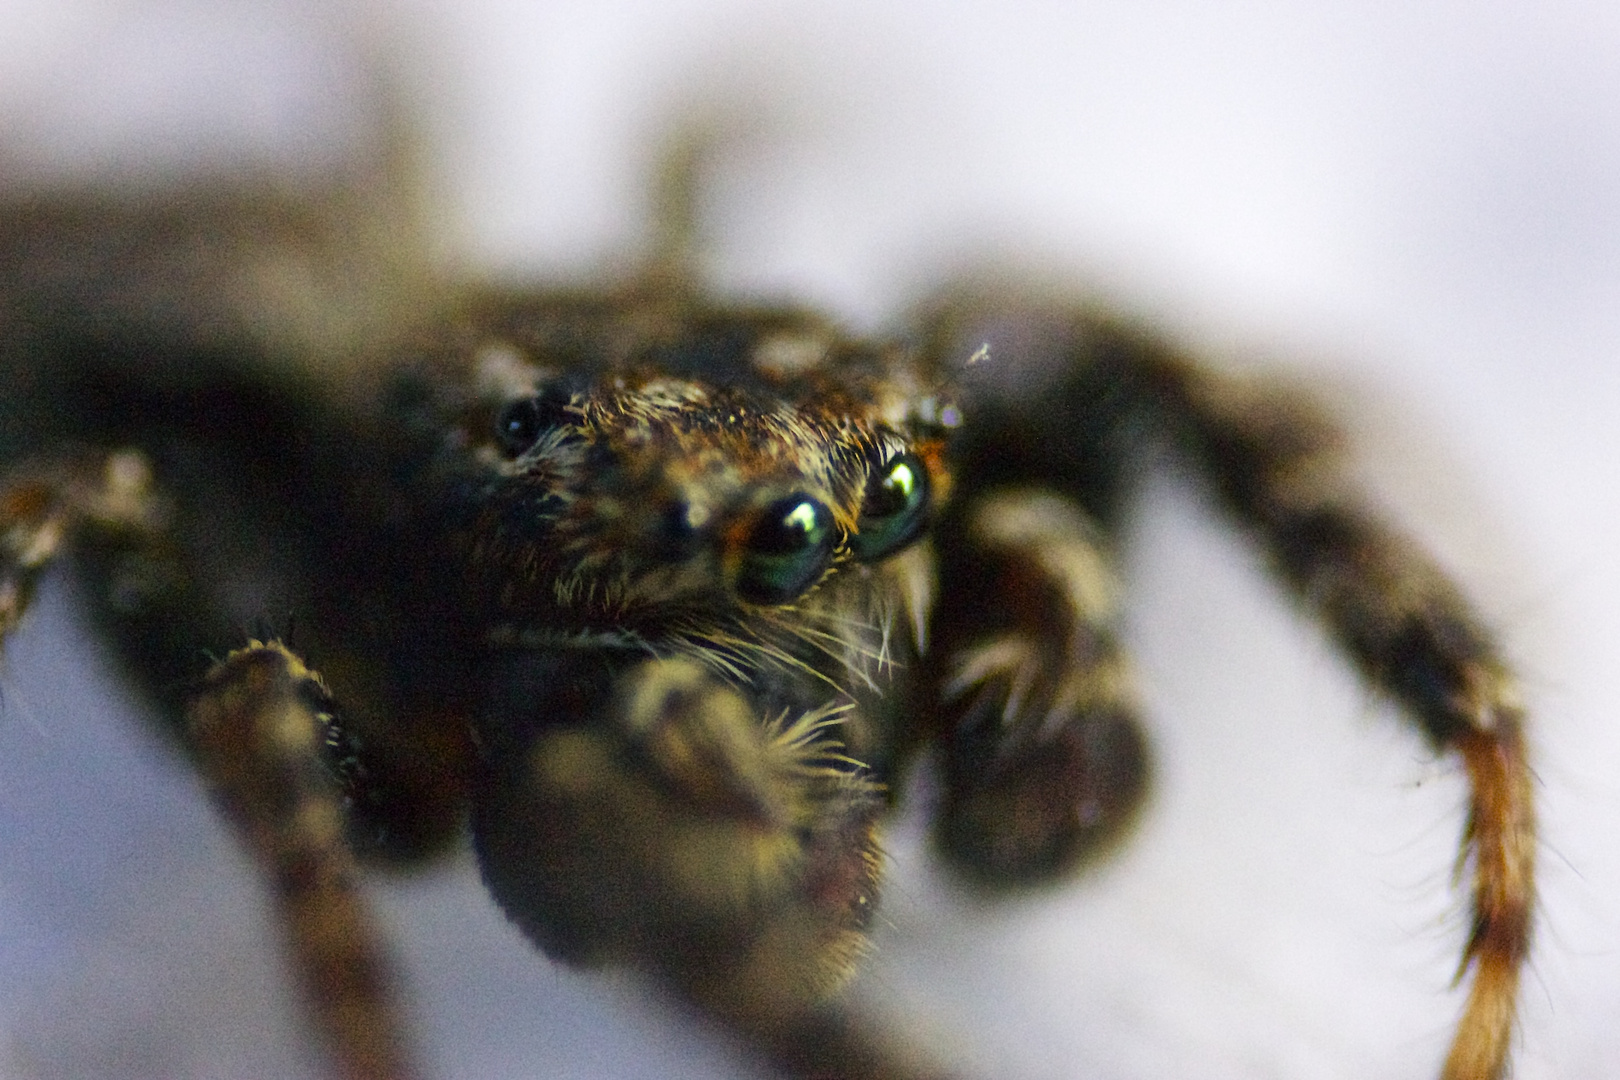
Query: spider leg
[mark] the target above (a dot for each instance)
(44, 502)
(1071, 397)
(1275, 465)
(257, 725)
(1044, 762)
(649, 817)
(108, 514)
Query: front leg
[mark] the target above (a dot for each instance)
(1044, 762)
(258, 725)
(643, 813)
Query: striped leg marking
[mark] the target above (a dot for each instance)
(258, 724)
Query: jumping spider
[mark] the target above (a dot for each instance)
(659, 594)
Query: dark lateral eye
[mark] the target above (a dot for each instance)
(520, 423)
(895, 510)
(787, 552)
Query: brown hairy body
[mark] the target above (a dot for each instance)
(663, 596)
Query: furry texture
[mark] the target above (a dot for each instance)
(662, 596)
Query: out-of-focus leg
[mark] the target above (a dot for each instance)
(1044, 761)
(258, 724)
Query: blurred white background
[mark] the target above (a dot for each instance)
(1416, 203)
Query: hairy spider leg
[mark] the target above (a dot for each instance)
(153, 421)
(106, 510)
(639, 811)
(42, 501)
(1276, 466)
(1077, 397)
(257, 724)
(1044, 762)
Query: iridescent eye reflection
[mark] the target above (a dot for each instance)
(787, 552)
(895, 511)
(801, 519)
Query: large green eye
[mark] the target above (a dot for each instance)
(895, 511)
(787, 551)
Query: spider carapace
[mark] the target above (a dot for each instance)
(662, 595)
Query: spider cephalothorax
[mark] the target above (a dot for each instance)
(644, 480)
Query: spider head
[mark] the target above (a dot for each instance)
(705, 476)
